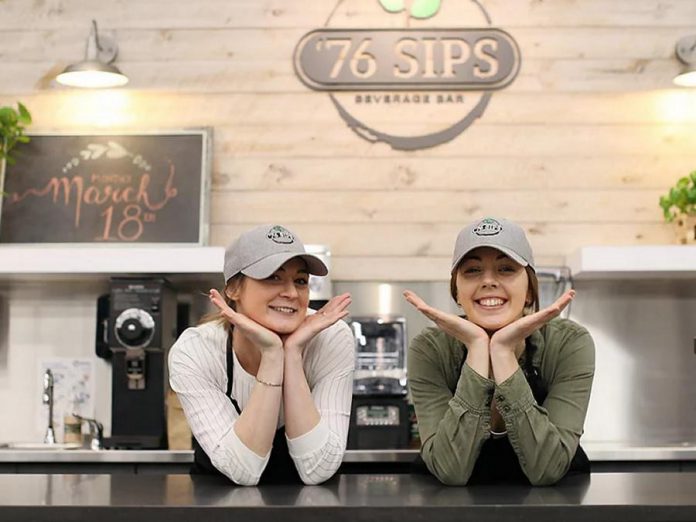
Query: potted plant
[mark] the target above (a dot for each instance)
(12, 124)
(679, 206)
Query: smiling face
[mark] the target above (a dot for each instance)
(492, 289)
(278, 302)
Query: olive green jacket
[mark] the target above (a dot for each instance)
(453, 407)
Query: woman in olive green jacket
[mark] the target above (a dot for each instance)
(501, 392)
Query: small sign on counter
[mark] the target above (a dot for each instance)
(73, 392)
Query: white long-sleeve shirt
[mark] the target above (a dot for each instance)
(198, 374)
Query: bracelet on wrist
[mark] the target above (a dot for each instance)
(266, 383)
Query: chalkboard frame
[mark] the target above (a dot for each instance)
(204, 173)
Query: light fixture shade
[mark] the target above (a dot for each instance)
(687, 78)
(686, 52)
(96, 70)
(92, 74)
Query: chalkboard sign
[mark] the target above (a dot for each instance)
(110, 188)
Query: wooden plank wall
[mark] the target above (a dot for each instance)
(578, 148)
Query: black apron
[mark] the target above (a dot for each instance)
(280, 468)
(498, 461)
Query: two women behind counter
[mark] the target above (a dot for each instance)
(500, 392)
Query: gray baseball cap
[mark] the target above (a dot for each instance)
(500, 234)
(263, 250)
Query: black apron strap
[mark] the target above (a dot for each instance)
(230, 372)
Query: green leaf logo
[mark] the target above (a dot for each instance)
(392, 6)
(425, 8)
(419, 8)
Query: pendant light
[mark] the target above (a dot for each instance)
(96, 70)
(686, 52)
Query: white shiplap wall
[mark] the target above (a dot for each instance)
(578, 148)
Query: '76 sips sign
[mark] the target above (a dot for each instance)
(435, 76)
(406, 59)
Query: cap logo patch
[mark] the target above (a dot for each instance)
(280, 235)
(488, 227)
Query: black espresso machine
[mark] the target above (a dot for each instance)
(137, 324)
(379, 416)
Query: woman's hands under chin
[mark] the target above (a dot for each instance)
(472, 335)
(509, 337)
(262, 338)
(334, 310)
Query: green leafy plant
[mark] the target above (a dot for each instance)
(681, 198)
(13, 122)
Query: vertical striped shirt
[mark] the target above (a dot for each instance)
(198, 374)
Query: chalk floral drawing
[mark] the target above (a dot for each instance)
(111, 150)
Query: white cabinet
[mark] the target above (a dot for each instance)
(21, 261)
(620, 262)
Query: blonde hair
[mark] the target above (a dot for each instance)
(233, 284)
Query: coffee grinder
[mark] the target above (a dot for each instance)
(141, 329)
(379, 414)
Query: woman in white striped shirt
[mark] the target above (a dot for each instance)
(266, 385)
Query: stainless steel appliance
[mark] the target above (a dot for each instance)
(320, 287)
(379, 414)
